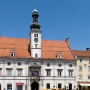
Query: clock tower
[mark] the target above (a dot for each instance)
(35, 36)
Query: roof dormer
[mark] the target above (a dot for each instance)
(11, 53)
(58, 55)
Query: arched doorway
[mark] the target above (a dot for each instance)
(35, 86)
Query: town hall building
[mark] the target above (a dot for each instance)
(36, 64)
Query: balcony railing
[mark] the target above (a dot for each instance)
(35, 77)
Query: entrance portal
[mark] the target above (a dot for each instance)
(70, 86)
(35, 86)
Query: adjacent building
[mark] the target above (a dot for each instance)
(83, 67)
(33, 64)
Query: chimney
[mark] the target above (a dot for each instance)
(67, 40)
(87, 49)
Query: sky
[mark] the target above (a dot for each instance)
(59, 19)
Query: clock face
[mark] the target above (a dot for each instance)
(36, 40)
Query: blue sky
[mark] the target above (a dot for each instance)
(59, 19)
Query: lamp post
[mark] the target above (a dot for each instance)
(56, 85)
(42, 81)
(26, 84)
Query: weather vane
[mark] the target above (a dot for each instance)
(35, 5)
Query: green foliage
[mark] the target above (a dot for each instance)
(84, 88)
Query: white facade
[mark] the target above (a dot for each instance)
(53, 79)
(35, 46)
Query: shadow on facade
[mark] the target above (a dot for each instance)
(29, 50)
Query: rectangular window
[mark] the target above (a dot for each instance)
(19, 63)
(80, 68)
(59, 85)
(59, 65)
(70, 72)
(59, 72)
(9, 72)
(70, 65)
(19, 72)
(80, 60)
(35, 35)
(48, 64)
(88, 77)
(89, 61)
(8, 63)
(80, 77)
(48, 85)
(19, 87)
(88, 68)
(48, 72)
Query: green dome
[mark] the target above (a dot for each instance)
(35, 11)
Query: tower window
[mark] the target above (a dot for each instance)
(35, 35)
(36, 55)
(36, 45)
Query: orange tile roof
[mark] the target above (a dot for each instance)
(81, 53)
(21, 48)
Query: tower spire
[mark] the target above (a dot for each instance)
(35, 35)
(35, 25)
(34, 5)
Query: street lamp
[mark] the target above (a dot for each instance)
(56, 85)
(42, 81)
(26, 84)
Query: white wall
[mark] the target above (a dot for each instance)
(52, 80)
